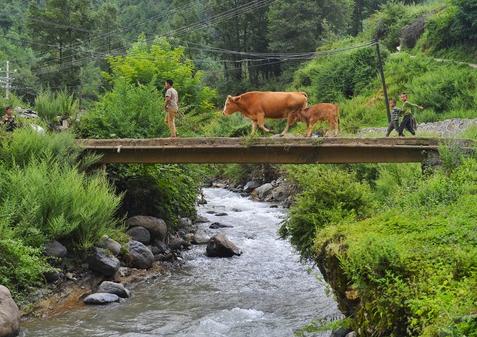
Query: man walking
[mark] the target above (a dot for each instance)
(171, 106)
(394, 123)
(408, 110)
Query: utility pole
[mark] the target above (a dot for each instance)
(6, 80)
(7, 83)
(383, 81)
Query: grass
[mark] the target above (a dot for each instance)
(45, 195)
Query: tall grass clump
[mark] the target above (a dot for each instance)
(48, 201)
(51, 105)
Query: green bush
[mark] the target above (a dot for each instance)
(157, 62)
(447, 88)
(128, 111)
(21, 266)
(332, 78)
(164, 191)
(328, 196)
(414, 262)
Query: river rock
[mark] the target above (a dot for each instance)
(9, 314)
(156, 227)
(352, 334)
(281, 192)
(110, 244)
(211, 212)
(221, 214)
(201, 219)
(251, 185)
(177, 243)
(200, 239)
(185, 222)
(220, 246)
(262, 191)
(140, 234)
(55, 249)
(101, 298)
(103, 262)
(139, 256)
(52, 276)
(114, 288)
(217, 225)
(161, 246)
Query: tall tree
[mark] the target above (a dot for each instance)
(60, 31)
(302, 25)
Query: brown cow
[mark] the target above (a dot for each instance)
(321, 112)
(258, 105)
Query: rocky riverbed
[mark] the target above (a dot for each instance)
(262, 290)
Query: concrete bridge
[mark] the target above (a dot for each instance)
(268, 150)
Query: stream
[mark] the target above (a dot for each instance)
(266, 291)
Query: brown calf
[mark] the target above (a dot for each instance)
(321, 112)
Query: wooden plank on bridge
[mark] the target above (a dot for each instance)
(265, 150)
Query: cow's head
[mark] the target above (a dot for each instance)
(231, 105)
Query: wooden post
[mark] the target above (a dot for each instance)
(383, 81)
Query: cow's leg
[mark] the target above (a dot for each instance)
(290, 121)
(261, 123)
(254, 127)
(309, 130)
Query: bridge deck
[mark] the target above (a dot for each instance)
(265, 150)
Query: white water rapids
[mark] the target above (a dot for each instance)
(265, 292)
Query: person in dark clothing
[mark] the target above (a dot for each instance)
(407, 111)
(8, 119)
(394, 123)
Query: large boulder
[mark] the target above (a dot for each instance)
(262, 191)
(140, 234)
(157, 227)
(251, 185)
(103, 262)
(55, 249)
(220, 246)
(9, 314)
(139, 256)
(110, 244)
(114, 288)
(101, 298)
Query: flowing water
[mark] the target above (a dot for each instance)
(264, 292)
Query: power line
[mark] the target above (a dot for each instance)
(255, 4)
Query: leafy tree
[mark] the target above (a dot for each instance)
(158, 62)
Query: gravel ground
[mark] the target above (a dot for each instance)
(446, 128)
